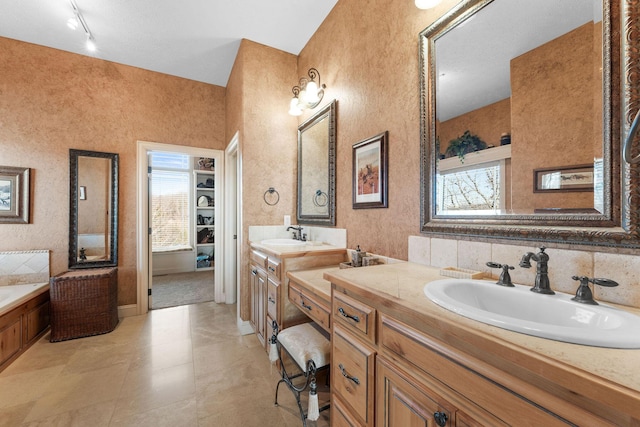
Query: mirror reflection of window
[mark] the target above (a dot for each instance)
(477, 190)
(169, 202)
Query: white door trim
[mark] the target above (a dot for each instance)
(142, 218)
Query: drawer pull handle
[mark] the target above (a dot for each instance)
(441, 418)
(348, 316)
(254, 271)
(272, 301)
(271, 269)
(308, 307)
(349, 377)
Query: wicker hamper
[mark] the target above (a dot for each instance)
(83, 303)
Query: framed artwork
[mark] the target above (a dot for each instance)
(370, 172)
(14, 195)
(563, 179)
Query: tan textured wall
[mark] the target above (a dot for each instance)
(487, 122)
(367, 54)
(51, 101)
(259, 91)
(560, 136)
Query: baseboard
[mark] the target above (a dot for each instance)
(244, 327)
(127, 310)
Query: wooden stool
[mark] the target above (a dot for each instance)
(310, 349)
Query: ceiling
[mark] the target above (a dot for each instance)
(473, 60)
(193, 39)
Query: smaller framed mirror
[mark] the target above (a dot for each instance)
(93, 209)
(317, 168)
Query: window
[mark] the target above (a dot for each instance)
(475, 188)
(170, 189)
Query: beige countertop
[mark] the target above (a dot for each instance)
(313, 280)
(297, 251)
(617, 371)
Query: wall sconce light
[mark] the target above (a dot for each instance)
(307, 94)
(76, 19)
(427, 4)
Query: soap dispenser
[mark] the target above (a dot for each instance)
(357, 257)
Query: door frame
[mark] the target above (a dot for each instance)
(143, 251)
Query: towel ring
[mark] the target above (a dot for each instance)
(320, 199)
(270, 194)
(626, 150)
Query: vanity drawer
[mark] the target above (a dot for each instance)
(352, 374)
(273, 267)
(356, 316)
(259, 258)
(272, 299)
(309, 306)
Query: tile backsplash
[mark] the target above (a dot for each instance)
(24, 267)
(563, 263)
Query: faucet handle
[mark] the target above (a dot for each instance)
(584, 294)
(505, 277)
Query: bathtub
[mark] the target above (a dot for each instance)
(12, 296)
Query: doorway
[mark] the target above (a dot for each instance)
(170, 283)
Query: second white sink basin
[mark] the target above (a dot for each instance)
(554, 317)
(283, 242)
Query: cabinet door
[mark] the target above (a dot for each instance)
(402, 402)
(352, 374)
(258, 285)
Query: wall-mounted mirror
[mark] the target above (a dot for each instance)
(93, 214)
(317, 168)
(521, 123)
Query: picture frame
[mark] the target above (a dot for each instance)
(14, 195)
(563, 179)
(370, 172)
(82, 194)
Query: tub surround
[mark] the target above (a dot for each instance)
(24, 267)
(24, 301)
(600, 380)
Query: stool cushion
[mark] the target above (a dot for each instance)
(305, 342)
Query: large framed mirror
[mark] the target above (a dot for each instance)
(317, 168)
(93, 213)
(521, 121)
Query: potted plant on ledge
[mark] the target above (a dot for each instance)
(465, 143)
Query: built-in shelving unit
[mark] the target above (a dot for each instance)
(205, 218)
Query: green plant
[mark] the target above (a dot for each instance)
(465, 143)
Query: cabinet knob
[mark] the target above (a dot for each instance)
(441, 418)
(308, 307)
(254, 272)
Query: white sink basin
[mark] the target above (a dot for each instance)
(283, 242)
(554, 317)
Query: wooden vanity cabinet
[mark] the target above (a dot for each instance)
(419, 379)
(269, 287)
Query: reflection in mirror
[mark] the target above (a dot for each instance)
(552, 126)
(316, 168)
(93, 209)
(526, 79)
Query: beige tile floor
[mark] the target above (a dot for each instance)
(180, 366)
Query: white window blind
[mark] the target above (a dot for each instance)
(170, 189)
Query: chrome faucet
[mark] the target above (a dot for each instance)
(542, 285)
(297, 234)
